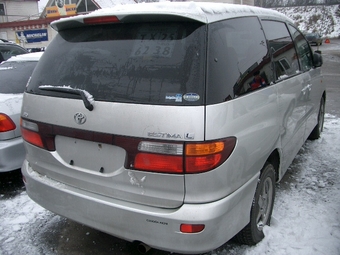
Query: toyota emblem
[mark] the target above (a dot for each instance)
(80, 118)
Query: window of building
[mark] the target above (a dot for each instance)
(2, 9)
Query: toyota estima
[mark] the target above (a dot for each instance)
(168, 124)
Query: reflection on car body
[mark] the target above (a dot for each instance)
(314, 38)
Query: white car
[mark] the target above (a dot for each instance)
(169, 123)
(14, 74)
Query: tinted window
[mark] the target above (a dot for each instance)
(153, 63)
(303, 49)
(238, 59)
(14, 76)
(7, 51)
(285, 62)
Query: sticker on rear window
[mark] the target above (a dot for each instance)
(191, 97)
(173, 97)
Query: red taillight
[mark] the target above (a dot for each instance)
(202, 164)
(202, 157)
(101, 20)
(40, 137)
(172, 158)
(32, 137)
(159, 163)
(6, 123)
(192, 228)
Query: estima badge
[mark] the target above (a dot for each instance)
(80, 118)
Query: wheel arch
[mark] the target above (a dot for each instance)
(274, 159)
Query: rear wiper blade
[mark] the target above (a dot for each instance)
(85, 96)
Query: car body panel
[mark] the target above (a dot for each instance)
(314, 90)
(89, 157)
(130, 221)
(88, 177)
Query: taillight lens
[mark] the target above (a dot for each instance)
(202, 157)
(159, 157)
(32, 134)
(101, 20)
(192, 228)
(183, 158)
(159, 163)
(6, 123)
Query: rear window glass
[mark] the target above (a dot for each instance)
(14, 76)
(148, 63)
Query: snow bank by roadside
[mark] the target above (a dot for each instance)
(321, 19)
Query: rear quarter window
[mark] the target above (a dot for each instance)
(238, 59)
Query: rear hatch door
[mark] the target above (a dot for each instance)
(117, 91)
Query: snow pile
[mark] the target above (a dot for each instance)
(321, 19)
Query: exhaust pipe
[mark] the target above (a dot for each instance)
(143, 248)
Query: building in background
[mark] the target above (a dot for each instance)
(21, 22)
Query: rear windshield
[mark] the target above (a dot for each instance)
(148, 63)
(14, 76)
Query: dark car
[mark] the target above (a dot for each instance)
(8, 49)
(314, 38)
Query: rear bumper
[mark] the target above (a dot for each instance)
(12, 154)
(157, 227)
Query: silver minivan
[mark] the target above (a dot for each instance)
(168, 124)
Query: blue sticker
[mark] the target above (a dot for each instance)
(191, 97)
(170, 97)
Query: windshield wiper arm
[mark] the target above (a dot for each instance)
(85, 96)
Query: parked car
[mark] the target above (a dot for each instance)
(8, 49)
(169, 123)
(314, 38)
(14, 74)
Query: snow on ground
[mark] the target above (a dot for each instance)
(306, 217)
(320, 19)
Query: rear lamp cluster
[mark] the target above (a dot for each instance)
(142, 154)
(6, 123)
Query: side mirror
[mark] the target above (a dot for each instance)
(317, 59)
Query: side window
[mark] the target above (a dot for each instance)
(303, 50)
(284, 58)
(238, 59)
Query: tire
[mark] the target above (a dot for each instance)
(262, 208)
(316, 133)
